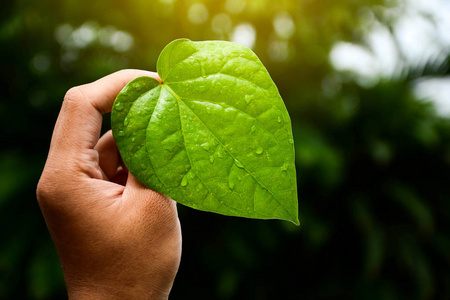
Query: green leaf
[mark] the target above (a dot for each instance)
(214, 135)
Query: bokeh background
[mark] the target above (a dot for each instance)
(367, 84)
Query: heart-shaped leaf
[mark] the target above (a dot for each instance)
(214, 135)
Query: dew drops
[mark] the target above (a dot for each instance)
(279, 119)
(208, 110)
(259, 150)
(201, 87)
(284, 167)
(206, 146)
(231, 184)
(159, 116)
(184, 181)
(118, 106)
(126, 122)
(211, 159)
(291, 141)
(253, 129)
(239, 71)
(219, 88)
(121, 133)
(248, 98)
(133, 140)
(203, 71)
(238, 164)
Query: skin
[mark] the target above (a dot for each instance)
(116, 239)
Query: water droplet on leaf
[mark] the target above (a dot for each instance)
(201, 87)
(231, 184)
(121, 133)
(239, 71)
(118, 106)
(206, 146)
(291, 141)
(238, 163)
(259, 150)
(184, 181)
(126, 122)
(248, 98)
(203, 71)
(211, 159)
(279, 119)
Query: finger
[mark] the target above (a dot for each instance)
(108, 155)
(79, 122)
(110, 161)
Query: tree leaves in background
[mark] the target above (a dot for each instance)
(215, 135)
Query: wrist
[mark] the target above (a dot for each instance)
(113, 292)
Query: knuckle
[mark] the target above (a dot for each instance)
(73, 93)
(74, 96)
(44, 190)
(51, 186)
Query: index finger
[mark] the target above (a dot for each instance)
(79, 122)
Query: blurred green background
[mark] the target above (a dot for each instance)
(367, 84)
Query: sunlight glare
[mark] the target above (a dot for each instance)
(198, 13)
(244, 34)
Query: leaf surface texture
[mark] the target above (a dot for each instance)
(215, 135)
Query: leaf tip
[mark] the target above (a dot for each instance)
(293, 220)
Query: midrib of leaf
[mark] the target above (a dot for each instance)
(145, 145)
(263, 186)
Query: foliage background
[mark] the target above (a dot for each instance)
(373, 157)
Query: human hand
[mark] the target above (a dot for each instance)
(116, 239)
